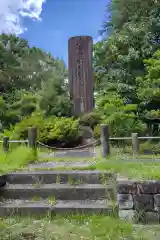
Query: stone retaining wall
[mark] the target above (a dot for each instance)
(142, 197)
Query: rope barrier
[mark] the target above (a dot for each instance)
(95, 143)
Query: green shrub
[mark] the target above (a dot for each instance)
(97, 132)
(90, 119)
(52, 131)
(122, 119)
(124, 125)
(150, 147)
(60, 131)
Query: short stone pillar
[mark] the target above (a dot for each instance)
(32, 140)
(6, 144)
(105, 148)
(135, 143)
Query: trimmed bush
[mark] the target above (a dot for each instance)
(53, 131)
(90, 119)
(97, 132)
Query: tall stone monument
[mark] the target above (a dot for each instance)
(81, 74)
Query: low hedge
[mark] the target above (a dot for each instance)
(53, 131)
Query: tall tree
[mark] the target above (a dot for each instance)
(132, 34)
(148, 91)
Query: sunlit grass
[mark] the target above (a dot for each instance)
(16, 159)
(73, 228)
(137, 170)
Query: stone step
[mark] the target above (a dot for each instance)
(59, 191)
(22, 207)
(46, 177)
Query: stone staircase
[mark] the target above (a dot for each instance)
(59, 192)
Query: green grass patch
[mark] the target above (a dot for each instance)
(15, 160)
(73, 228)
(137, 170)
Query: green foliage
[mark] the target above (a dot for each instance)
(63, 131)
(30, 79)
(121, 118)
(90, 119)
(149, 86)
(150, 147)
(130, 36)
(126, 73)
(54, 97)
(127, 65)
(14, 160)
(53, 130)
(25, 106)
(97, 132)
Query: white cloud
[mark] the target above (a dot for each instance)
(12, 13)
(98, 39)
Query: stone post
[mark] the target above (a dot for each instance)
(6, 144)
(105, 148)
(80, 69)
(135, 143)
(32, 140)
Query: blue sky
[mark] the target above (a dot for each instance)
(62, 19)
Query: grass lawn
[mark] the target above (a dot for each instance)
(14, 160)
(135, 170)
(74, 228)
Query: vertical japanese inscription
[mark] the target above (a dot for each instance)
(80, 61)
(81, 74)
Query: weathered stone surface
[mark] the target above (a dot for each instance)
(125, 201)
(133, 216)
(127, 215)
(141, 187)
(127, 187)
(3, 180)
(150, 187)
(152, 217)
(157, 201)
(143, 202)
(59, 191)
(81, 73)
(49, 177)
(59, 207)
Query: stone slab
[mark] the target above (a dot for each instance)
(59, 191)
(46, 177)
(60, 207)
(140, 187)
(131, 215)
(143, 202)
(125, 201)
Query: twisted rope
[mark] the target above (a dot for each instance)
(95, 143)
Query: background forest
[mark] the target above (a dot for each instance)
(34, 90)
